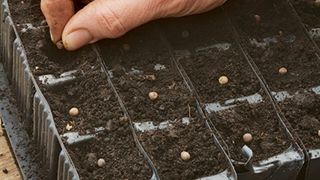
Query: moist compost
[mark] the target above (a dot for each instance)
(89, 93)
(277, 41)
(309, 12)
(206, 67)
(303, 113)
(142, 68)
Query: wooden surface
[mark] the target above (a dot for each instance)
(7, 161)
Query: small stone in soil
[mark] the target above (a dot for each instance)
(151, 77)
(5, 170)
(74, 111)
(36, 68)
(257, 18)
(283, 70)
(185, 155)
(101, 162)
(153, 95)
(68, 127)
(247, 137)
(223, 80)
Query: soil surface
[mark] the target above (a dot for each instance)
(260, 121)
(309, 13)
(204, 63)
(303, 112)
(89, 93)
(289, 46)
(144, 67)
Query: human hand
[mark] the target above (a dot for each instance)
(102, 19)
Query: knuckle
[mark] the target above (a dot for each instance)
(110, 23)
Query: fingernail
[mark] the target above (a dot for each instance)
(77, 39)
(51, 36)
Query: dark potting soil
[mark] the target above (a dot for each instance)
(164, 147)
(206, 67)
(89, 93)
(116, 146)
(205, 62)
(261, 121)
(138, 67)
(289, 47)
(309, 13)
(303, 113)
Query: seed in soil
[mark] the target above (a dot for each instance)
(223, 80)
(153, 95)
(74, 111)
(283, 70)
(247, 137)
(185, 155)
(257, 18)
(319, 132)
(101, 162)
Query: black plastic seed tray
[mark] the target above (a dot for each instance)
(197, 50)
(37, 112)
(262, 41)
(34, 107)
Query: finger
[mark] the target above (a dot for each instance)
(105, 19)
(179, 8)
(57, 14)
(112, 18)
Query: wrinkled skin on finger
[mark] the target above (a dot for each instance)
(57, 14)
(101, 19)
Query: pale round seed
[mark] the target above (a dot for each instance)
(74, 111)
(185, 155)
(223, 80)
(283, 70)
(247, 137)
(153, 95)
(101, 162)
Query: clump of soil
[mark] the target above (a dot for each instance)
(303, 113)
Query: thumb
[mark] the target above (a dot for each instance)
(106, 19)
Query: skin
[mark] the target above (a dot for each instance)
(101, 19)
